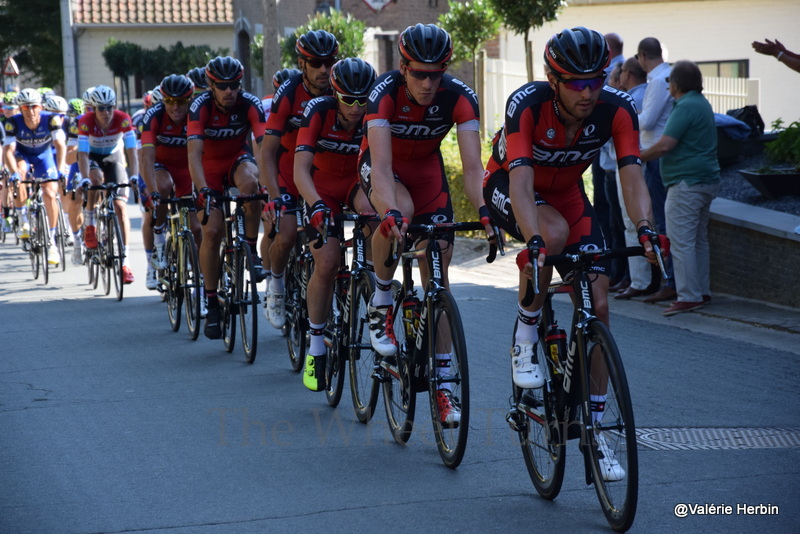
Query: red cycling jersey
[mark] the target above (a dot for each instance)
(169, 139)
(288, 104)
(99, 142)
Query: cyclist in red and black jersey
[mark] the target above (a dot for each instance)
(553, 131)
(220, 123)
(325, 171)
(316, 51)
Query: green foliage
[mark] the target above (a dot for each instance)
(470, 25)
(123, 59)
(129, 59)
(348, 30)
(785, 149)
(32, 35)
(464, 210)
(522, 15)
(257, 55)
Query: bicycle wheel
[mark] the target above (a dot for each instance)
(61, 236)
(93, 266)
(33, 247)
(296, 327)
(335, 344)
(614, 437)
(174, 296)
(104, 250)
(44, 243)
(447, 337)
(542, 446)
(117, 251)
(247, 301)
(363, 388)
(225, 295)
(399, 395)
(190, 284)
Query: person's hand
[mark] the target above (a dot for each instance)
(151, 201)
(535, 249)
(769, 48)
(269, 213)
(648, 238)
(486, 221)
(15, 177)
(393, 224)
(203, 196)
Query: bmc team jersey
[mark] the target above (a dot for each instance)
(225, 133)
(95, 141)
(169, 139)
(335, 151)
(288, 104)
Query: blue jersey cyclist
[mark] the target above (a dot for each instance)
(27, 149)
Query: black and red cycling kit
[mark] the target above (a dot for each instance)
(417, 133)
(225, 134)
(288, 104)
(169, 139)
(334, 170)
(534, 136)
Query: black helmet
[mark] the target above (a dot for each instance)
(198, 77)
(577, 51)
(352, 76)
(425, 43)
(177, 86)
(317, 44)
(283, 75)
(224, 69)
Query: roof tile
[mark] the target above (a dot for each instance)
(152, 11)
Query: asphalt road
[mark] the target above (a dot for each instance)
(110, 422)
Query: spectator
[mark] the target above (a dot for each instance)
(777, 49)
(652, 119)
(615, 52)
(690, 170)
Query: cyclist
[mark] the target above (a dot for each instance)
(75, 108)
(316, 51)
(7, 197)
(409, 112)
(164, 164)
(100, 160)
(325, 167)
(57, 104)
(151, 277)
(553, 130)
(27, 150)
(220, 123)
(198, 77)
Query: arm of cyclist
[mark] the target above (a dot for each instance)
(469, 146)
(147, 157)
(305, 185)
(384, 194)
(520, 190)
(637, 201)
(268, 173)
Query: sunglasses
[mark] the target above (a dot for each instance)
(10, 108)
(29, 107)
(350, 100)
(224, 86)
(316, 63)
(579, 85)
(420, 74)
(176, 101)
(104, 108)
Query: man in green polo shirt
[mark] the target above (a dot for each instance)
(690, 172)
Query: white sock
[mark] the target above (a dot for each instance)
(316, 346)
(527, 326)
(443, 370)
(383, 292)
(598, 406)
(276, 283)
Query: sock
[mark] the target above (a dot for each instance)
(159, 237)
(211, 297)
(383, 292)
(23, 214)
(148, 254)
(276, 283)
(88, 217)
(52, 235)
(527, 326)
(597, 403)
(124, 255)
(251, 241)
(76, 237)
(443, 370)
(316, 347)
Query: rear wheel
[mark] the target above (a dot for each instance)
(61, 236)
(33, 247)
(104, 248)
(174, 295)
(399, 395)
(363, 388)
(43, 237)
(296, 326)
(190, 282)
(225, 294)
(335, 345)
(247, 301)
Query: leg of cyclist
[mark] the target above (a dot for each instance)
(73, 207)
(245, 177)
(279, 250)
(115, 172)
(89, 213)
(49, 192)
(20, 202)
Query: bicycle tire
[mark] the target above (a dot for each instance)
(247, 301)
(33, 246)
(225, 294)
(2, 232)
(170, 283)
(399, 395)
(61, 235)
(295, 329)
(117, 256)
(190, 284)
(335, 345)
(543, 448)
(363, 387)
(93, 266)
(618, 498)
(446, 330)
(44, 243)
(103, 247)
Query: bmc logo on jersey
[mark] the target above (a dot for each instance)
(376, 91)
(517, 97)
(419, 130)
(223, 133)
(339, 148)
(563, 157)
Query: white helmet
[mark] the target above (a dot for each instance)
(28, 97)
(87, 96)
(55, 104)
(103, 95)
(156, 95)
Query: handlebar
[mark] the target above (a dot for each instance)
(439, 230)
(216, 196)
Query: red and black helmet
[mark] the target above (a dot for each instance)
(177, 86)
(198, 77)
(224, 69)
(577, 51)
(425, 43)
(282, 75)
(352, 76)
(318, 44)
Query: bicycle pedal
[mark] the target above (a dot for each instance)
(515, 420)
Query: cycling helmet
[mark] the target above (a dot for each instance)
(317, 44)
(198, 77)
(75, 107)
(103, 95)
(425, 43)
(156, 95)
(29, 97)
(576, 51)
(177, 86)
(9, 97)
(45, 91)
(283, 75)
(55, 104)
(224, 69)
(87, 96)
(352, 76)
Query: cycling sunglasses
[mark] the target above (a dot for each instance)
(350, 100)
(179, 101)
(28, 107)
(579, 85)
(420, 74)
(103, 108)
(316, 63)
(224, 86)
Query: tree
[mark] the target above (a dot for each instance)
(348, 30)
(33, 38)
(470, 25)
(523, 15)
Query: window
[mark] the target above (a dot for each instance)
(737, 68)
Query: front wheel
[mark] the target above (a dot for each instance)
(225, 294)
(612, 444)
(190, 284)
(247, 301)
(336, 350)
(61, 236)
(295, 329)
(171, 284)
(116, 250)
(449, 379)
(363, 388)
